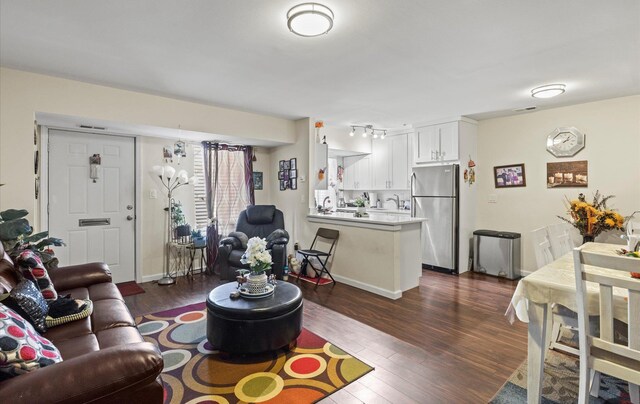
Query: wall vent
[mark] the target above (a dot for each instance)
(92, 127)
(525, 109)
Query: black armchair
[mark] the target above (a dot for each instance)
(263, 221)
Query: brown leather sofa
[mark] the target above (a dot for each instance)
(105, 359)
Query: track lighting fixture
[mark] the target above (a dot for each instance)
(376, 133)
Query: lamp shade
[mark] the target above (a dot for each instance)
(169, 172)
(158, 170)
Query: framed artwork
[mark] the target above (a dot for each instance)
(180, 149)
(258, 184)
(569, 174)
(167, 153)
(288, 174)
(509, 176)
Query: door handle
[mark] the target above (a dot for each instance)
(129, 217)
(129, 207)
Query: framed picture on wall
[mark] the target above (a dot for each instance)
(283, 185)
(281, 165)
(287, 165)
(509, 176)
(286, 175)
(293, 183)
(568, 174)
(293, 173)
(257, 181)
(293, 164)
(280, 175)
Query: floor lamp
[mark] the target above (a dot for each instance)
(171, 181)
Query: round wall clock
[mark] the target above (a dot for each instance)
(565, 142)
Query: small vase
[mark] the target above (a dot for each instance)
(361, 209)
(587, 239)
(257, 284)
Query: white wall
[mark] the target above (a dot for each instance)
(295, 203)
(612, 129)
(23, 94)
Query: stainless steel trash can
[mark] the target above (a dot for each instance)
(497, 253)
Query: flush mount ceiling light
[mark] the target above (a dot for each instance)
(310, 19)
(548, 91)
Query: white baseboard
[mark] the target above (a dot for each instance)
(369, 288)
(151, 278)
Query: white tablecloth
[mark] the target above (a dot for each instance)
(556, 283)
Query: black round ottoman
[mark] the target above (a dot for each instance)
(249, 326)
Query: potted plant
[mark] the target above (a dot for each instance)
(359, 202)
(592, 218)
(16, 235)
(182, 228)
(259, 260)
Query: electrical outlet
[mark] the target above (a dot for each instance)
(493, 198)
(153, 194)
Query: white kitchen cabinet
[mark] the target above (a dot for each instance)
(390, 163)
(434, 143)
(356, 173)
(380, 167)
(399, 178)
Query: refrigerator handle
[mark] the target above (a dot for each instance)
(413, 207)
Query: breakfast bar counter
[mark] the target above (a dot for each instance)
(379, 253)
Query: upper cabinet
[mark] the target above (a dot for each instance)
(390, 163)
(436, 143)
(357, 173)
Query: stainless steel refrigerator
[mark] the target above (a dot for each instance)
(434, 195)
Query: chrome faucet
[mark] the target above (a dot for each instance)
(396, 200)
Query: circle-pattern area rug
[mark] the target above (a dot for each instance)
(194, 373)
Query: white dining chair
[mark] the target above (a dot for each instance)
(560, 239)
(542, 247)
(560, 316)
(602, 354)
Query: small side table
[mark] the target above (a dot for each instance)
(192, 255)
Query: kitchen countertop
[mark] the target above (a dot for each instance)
(390, 219)
(376, 210)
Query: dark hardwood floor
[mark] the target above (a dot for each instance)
(444, 342)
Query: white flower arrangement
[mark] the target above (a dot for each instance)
(257, 256)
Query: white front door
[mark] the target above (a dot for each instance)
(95, 218)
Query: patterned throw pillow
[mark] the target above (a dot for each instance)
(26, 300)
(22, 349)
(84, 313)
(30, 266)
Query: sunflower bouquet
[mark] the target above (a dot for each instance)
(592, 218)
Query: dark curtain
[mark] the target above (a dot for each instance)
(213, 157)
(248, 173)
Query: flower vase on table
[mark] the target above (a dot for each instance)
(259, 260)
(593, 218)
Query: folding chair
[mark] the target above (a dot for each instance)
(326, 234)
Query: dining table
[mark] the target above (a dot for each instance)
(553, 284)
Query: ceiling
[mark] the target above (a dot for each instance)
(386, 62)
